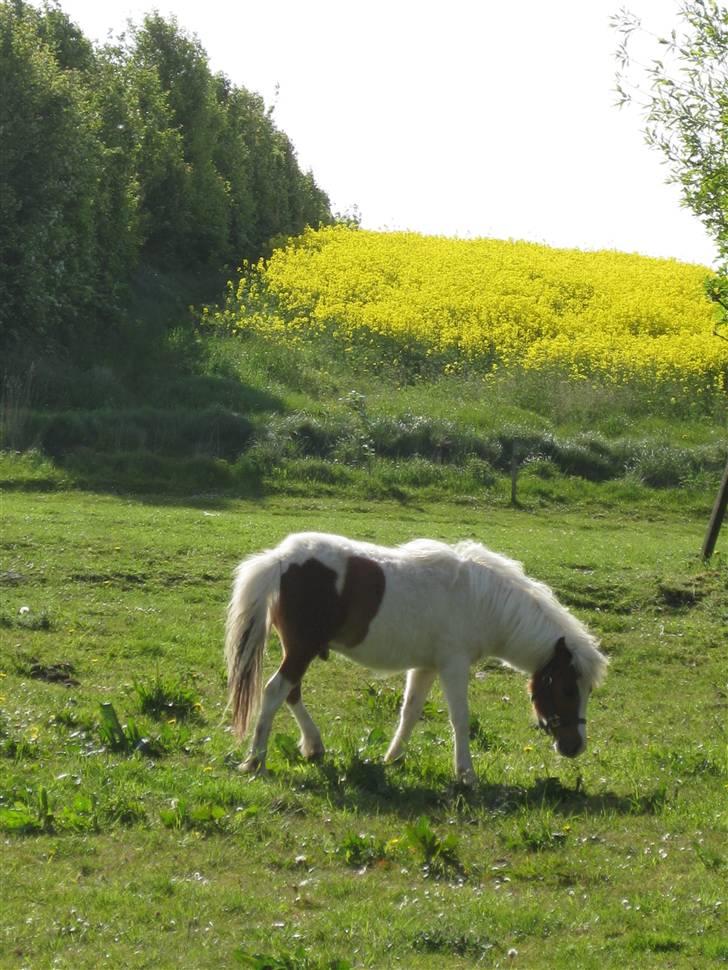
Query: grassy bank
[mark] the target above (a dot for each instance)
(250, 416)
(133, 844)
(392, 366)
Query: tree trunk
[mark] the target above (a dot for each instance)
(716, 517)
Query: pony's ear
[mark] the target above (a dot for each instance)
(562, 652)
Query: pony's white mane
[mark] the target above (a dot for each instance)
(590, 663)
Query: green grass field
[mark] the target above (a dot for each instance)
(137, 844)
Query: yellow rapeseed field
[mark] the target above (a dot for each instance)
(593, 315)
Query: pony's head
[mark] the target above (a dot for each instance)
(559, 697)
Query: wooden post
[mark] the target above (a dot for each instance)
(716, 518)
(514, 475)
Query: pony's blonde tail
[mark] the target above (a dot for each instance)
(255, 589)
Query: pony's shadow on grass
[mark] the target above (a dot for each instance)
(373, 785)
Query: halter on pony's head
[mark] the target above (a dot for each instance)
(557, 701)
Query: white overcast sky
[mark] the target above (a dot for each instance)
(465, 117)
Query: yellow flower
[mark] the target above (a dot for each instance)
(609, 316)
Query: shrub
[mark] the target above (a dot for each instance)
(662, 466)
(588, 456)
(213, 432)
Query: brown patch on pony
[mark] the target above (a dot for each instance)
(361, 598)
(310, 613)
(555, 696)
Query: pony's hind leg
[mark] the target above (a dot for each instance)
(285, 684)
(311, 746)
(415, 695)
(454, 680)
(274, 693)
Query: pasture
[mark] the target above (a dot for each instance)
(129, 839)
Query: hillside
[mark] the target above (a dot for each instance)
(484, 304)
(339, 366)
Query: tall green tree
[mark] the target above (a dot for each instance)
(683, 96)
(127, 156)
(685, 106)
(185, 78)
(233, 161)
(49, 167)
(118, 131)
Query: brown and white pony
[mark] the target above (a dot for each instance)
(424, 607)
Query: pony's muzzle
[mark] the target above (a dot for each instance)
(571, 744)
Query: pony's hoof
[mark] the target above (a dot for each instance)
(253, 766)
(315, 753)
(467, 779)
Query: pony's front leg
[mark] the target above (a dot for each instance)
(415, 695)
(454, 680)
(275, 692)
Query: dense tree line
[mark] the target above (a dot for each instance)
(133, 154)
